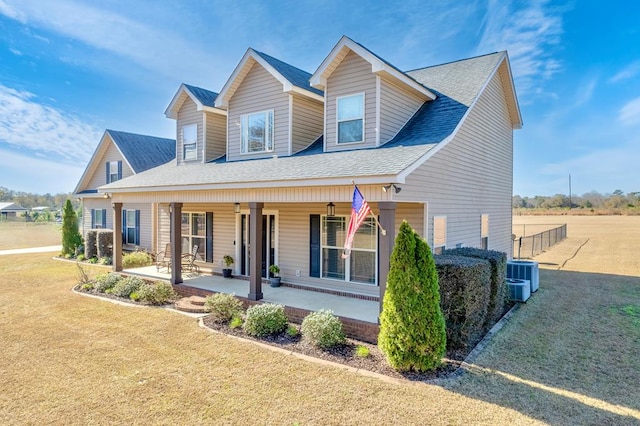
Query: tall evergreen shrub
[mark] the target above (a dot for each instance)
(71, 237)
(412, 329)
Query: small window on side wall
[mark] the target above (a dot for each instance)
(350, 118)
(439, 234)
(189, 142)
(484, 232)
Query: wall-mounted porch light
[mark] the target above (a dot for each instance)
(236, 208)
(387, 188)
(331, 209)
(106, 195)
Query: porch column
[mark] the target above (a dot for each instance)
(255, 251)
(176, 242)
(117, 237)
(388, 223)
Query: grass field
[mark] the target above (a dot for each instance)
(568, 356)
(29, 234)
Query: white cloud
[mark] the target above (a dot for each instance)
(25, 173)
(15, 51)
(527, 33)
(627, 72)
(32, 126)
(630, 113)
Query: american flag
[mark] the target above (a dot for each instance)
(359, 211)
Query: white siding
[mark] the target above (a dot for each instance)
(259, 91)
(216, 130)
(352, 76)
(397, 106)
(471, 175)
(308, 121)
(99, 177)
(188, 114)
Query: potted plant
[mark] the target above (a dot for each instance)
(228, 261)
(274, 281)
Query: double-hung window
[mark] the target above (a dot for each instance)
(257, 132)
(131, 227)
(439, 234)
(360, 267)
(194, 233)
(114, 171)
(350, 118)
(484, 232)
(189, 142)
(98, 218)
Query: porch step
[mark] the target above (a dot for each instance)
(193, 304)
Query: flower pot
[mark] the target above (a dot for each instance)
(274, 281)
(227, 273)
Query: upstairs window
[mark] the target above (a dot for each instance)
(189, 142)
(257, 132)
(439, 234)
(114, 171)
(350, 118)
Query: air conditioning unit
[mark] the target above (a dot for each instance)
(519, 290)
(524, 270)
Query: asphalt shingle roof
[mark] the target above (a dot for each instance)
(296, 76)
(144, 152)
(456, 85)
(206, 97)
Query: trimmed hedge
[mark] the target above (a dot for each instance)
(323, 329)
(90, 244)
(464, 297)
(499, 293)
(265, 319)
(104, 243)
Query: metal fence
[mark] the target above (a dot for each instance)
(532, 245)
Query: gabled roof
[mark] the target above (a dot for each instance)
(378, 66)
(11, 207)
(293, 80)
(203, 98)
(140, 152)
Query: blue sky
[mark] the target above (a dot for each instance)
(71, 69)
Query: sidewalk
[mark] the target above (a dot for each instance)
(32, 250)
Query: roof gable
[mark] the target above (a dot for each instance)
(203, 98)
(11, 207)
(378, 66)
(293, 80)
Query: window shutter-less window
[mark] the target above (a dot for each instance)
(104, 218)
(314, 245)
(93, 213)
(137, 227)
(124, 226)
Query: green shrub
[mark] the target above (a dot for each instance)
(90, 248)
(236, 322)
(104, 243)
(81, 257)
(362, 351)
(71, 237)
(158, 293)
(105, 261)
(87, 286)
(223, 307)
(412, 329)
(464, 298)
(136, 259)
(292, 330)
(323, 329)
(265, 319)
(93, 260)
(126, 286)
(134, 296)
(106, 282)
(498, 295)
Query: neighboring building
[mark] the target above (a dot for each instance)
(433, 146)
(11, 210)
(117, 156)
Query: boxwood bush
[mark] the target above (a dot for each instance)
(158, 293)
(126, 286)
(265, 319)
(223, 307)
(106, 282)
(464, 297)
(136, 259)
(499, 293)
(104, 243)
(323, 329)
(90, 244)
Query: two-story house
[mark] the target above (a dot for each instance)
(118, 156)
(433, 146)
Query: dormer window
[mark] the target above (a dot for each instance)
(350, 118)
(189, 142)
(257, 132)
(114, 171)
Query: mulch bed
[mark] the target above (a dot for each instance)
(343, 354)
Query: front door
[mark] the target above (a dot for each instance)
(268, 243)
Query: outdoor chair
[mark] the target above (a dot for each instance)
(163, 259)
(188, 261)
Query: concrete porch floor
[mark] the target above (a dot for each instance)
(348, 307)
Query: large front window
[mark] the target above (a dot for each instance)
(257, 132)
(360, 266)
(194, 234)
(189, 142)
(350, 118)
(130, 226)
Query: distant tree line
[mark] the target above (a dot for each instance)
(29, 200)
(593, 201)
